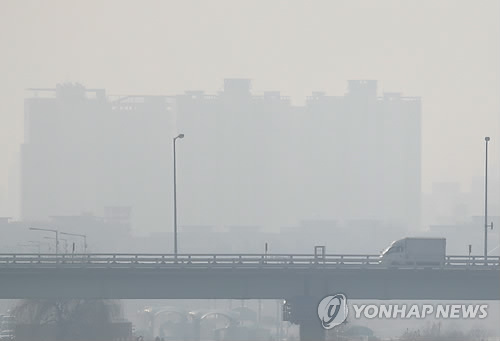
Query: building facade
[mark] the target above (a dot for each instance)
(85, 152)
(260, 161)
(246, 160)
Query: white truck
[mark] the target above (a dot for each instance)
(415, 251)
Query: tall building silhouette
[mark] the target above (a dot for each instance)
(85, 152)
(247, 160)
(368, 152)
(257, 160)
(236, 150)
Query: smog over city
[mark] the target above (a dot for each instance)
(250, 170)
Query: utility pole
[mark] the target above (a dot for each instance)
(180, 136)
(486, 225)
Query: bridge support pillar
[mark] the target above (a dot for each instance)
(303, 310)
(196, 336)
(311, 330)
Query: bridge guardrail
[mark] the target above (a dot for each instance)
(224, 260)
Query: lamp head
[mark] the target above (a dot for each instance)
(181, 136)
(487, 138)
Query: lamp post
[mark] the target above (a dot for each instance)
(49, 230)
(486, 225)
(78, 235)
(180, 136)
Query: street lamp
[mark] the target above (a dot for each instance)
(180, 136)
(78, 235)
(486, 225)
(49, 230)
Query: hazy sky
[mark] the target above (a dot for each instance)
(445, 51)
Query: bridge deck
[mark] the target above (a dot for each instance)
(243, 277)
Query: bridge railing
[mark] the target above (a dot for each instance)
(240, 259)
(472, 260)
(224, 260)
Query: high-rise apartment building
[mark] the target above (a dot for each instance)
(258, 160)
(367, 151)
(85, 152)
(246, 160)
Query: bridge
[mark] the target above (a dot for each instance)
(242, 276)
(300, 279)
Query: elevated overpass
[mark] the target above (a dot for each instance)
(301, 279)
(242, 276)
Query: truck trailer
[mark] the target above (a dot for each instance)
(415, 251)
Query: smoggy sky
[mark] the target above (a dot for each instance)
(445, 51)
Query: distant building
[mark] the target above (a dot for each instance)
(247, 160)
(364, 153)
(258, 160)
(469, 232)
(233, 159)
(84, 152)
(448, 204)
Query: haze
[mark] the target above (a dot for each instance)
(333, 127)
(445, 52)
